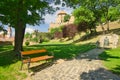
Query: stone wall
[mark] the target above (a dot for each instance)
(110, 39)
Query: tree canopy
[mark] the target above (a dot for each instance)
(102, 9)
(18, 13)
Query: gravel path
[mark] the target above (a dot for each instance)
(84, 67)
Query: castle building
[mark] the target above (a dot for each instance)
(9, 33)
(60, 20)
(8, 36)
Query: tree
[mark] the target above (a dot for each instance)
(27, 35)
(69, 30)
(99, 7)
(23, 12)
(84, 16)
(36, 32)
(113, 14)
(57, 32)
(105, 6)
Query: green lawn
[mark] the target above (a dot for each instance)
(111, 60)
(10, 64)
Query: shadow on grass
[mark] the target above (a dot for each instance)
(99, 74)
(116, 70)
(7, 58)
(5, 48)
(104, 56)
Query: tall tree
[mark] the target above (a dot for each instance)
(99, 7)
(23, 12)
(84, 15)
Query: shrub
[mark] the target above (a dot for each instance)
(57, 32)
(45, 40)
(27, 43)
(69, 30)
(35, 39)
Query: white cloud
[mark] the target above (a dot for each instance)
(51, 17)
(29, 30)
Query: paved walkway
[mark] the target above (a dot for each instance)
(84, 67)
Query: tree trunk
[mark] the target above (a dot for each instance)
(108, 28)
(19, 28)
(103, 29)
(19, 36)
(95, 30)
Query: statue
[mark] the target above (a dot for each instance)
(106, 41)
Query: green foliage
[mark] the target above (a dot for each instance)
(45, 36)
(10, 65)
(27, 35)
(64, 51)
(100, 9)
(113, 14)
(35, 39)
(57, 29)
(23, 12)
(11, 14)
(83, 14)
(27, 43)
(111, 60)
(66, 18)
(45, 40)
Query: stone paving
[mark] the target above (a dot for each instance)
(84, 67)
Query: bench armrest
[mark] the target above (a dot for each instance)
(25, 57)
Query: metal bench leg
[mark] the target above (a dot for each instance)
(21, 66)
(28, 66)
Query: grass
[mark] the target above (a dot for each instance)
(10, 64)
(111, 60)
(64, 51)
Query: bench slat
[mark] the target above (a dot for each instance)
(38, 58)
(33, 52)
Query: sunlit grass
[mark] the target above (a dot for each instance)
(64, 51)
(10, 64)
(111, 60)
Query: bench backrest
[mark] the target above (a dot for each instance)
(33, 52)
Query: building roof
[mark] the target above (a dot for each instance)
(62, 12)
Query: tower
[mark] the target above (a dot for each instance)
(60, 17)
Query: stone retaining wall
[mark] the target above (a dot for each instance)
(112, 41)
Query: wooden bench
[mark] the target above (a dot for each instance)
(25, 58)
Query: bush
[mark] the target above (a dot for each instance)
(35, 39)
(69, 30)
(27, 43)
(46, 40)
